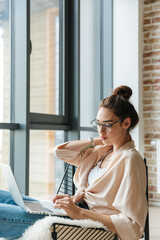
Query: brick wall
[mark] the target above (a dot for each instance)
(151, 90)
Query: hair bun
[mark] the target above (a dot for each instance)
(123, 91)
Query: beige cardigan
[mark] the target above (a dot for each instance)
(119, 192)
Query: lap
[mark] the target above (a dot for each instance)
(13, 219)
(11, 211)
(6, 198)
(14, 213)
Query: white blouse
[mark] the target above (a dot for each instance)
(95, 173)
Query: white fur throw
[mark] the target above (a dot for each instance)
(42, 228)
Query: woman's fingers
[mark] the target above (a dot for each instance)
(60, 196)
(61, 204)
(63, 201)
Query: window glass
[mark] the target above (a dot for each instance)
(96, 60)
(4, 154)
(89, 60)
(87, 134)
(45, 170)
(4, 62)
(46, 90)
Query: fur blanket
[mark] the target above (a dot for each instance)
(42, 228)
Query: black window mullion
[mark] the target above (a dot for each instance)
(39, 118)
(61, 59)
(49, 127)
(9, 126)
(72, 66)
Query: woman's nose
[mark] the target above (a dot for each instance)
(102, 128)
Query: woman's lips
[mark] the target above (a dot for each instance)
(103, 138)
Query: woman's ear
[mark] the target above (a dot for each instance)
(126, 123)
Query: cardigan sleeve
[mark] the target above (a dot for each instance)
(73, 157)
(130, 200)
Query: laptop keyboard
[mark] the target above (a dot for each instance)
(36, 207)
(46, 207)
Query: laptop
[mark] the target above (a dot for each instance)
(33, 207)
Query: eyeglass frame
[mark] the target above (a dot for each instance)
(107, 125)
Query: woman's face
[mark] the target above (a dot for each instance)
(113, 134)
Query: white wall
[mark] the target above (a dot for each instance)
(126, 55)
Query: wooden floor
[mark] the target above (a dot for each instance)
(154, 222)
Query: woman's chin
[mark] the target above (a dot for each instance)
(106, 141)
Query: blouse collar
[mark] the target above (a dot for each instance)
(127, 146)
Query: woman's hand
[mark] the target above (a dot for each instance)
(65, 202)
(100, 141)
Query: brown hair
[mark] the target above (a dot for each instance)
(119, 103)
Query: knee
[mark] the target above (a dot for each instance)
(5, 197)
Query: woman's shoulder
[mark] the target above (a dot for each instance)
(133, 152)
(133, 157)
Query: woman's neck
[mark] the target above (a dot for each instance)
(121, 142)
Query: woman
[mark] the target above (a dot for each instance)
(111, 175)
(110, 178)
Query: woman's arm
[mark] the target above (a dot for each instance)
(79, 145)
(73, 152)
(65, 202)
(103, 218)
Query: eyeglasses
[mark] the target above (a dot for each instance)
(106, 126)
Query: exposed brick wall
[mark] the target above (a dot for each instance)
(151, 89)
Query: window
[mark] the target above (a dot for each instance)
(90, 60)
(44, 61)
(51, 81)
(4, 62)
(4, 85)
(95, 59)
(46, 171)
(4, 153)
(33, 99)
(46, 95)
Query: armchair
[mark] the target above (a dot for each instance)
(73, 232)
